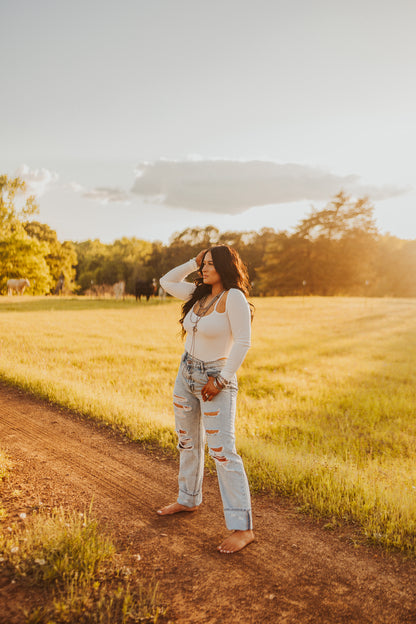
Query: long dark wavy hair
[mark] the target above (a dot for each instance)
(233, 273)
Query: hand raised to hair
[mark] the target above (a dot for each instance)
(199, 257)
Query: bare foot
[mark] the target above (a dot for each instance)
(174, 508)
(236, 541)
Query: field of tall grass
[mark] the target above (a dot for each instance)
(327, 400)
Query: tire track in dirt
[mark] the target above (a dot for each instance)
(117, 481)
(294, 573)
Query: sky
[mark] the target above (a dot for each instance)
(145, 117)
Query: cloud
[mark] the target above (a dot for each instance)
(74, 186)
(37, 180)
(106, 195)
(232, 187)
(378, 192)
(102, 194)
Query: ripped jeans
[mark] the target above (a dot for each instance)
(195, 421)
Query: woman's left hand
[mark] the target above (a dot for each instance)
(209, 391)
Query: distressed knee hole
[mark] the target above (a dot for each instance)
(220, 458)
(185, 407)
(185, 443)
(181, 403)
(179, 398)
(216, 454)
(212, 431)
(212, 413)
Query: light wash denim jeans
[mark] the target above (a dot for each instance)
(196, 421)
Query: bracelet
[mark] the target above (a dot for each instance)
(220, 382)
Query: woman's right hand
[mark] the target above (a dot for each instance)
(199, 257)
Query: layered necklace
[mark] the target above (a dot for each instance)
(202, 311)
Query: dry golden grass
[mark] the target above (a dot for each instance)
(327, 392)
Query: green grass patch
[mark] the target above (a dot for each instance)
(54, 548)
(327, 399)
(66, 553)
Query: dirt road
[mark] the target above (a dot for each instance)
(296, 571)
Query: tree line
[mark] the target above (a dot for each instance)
(337, 250)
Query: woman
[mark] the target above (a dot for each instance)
(216, 319)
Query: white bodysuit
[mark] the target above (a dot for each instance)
(219, 334)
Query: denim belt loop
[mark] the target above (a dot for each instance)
(194, 363)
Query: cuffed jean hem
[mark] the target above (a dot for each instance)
(189, 500)
(238, 519)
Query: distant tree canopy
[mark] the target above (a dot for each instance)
(61, 258)
(127, 259)
(27, 248)
(333, 251)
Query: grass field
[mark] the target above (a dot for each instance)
(327, 400)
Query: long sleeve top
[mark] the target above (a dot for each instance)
(220, 334)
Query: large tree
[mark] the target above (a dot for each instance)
(61, 258)
(332, 251)
(20, 255)
(15, 206)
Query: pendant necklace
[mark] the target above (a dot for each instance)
(201, 313)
